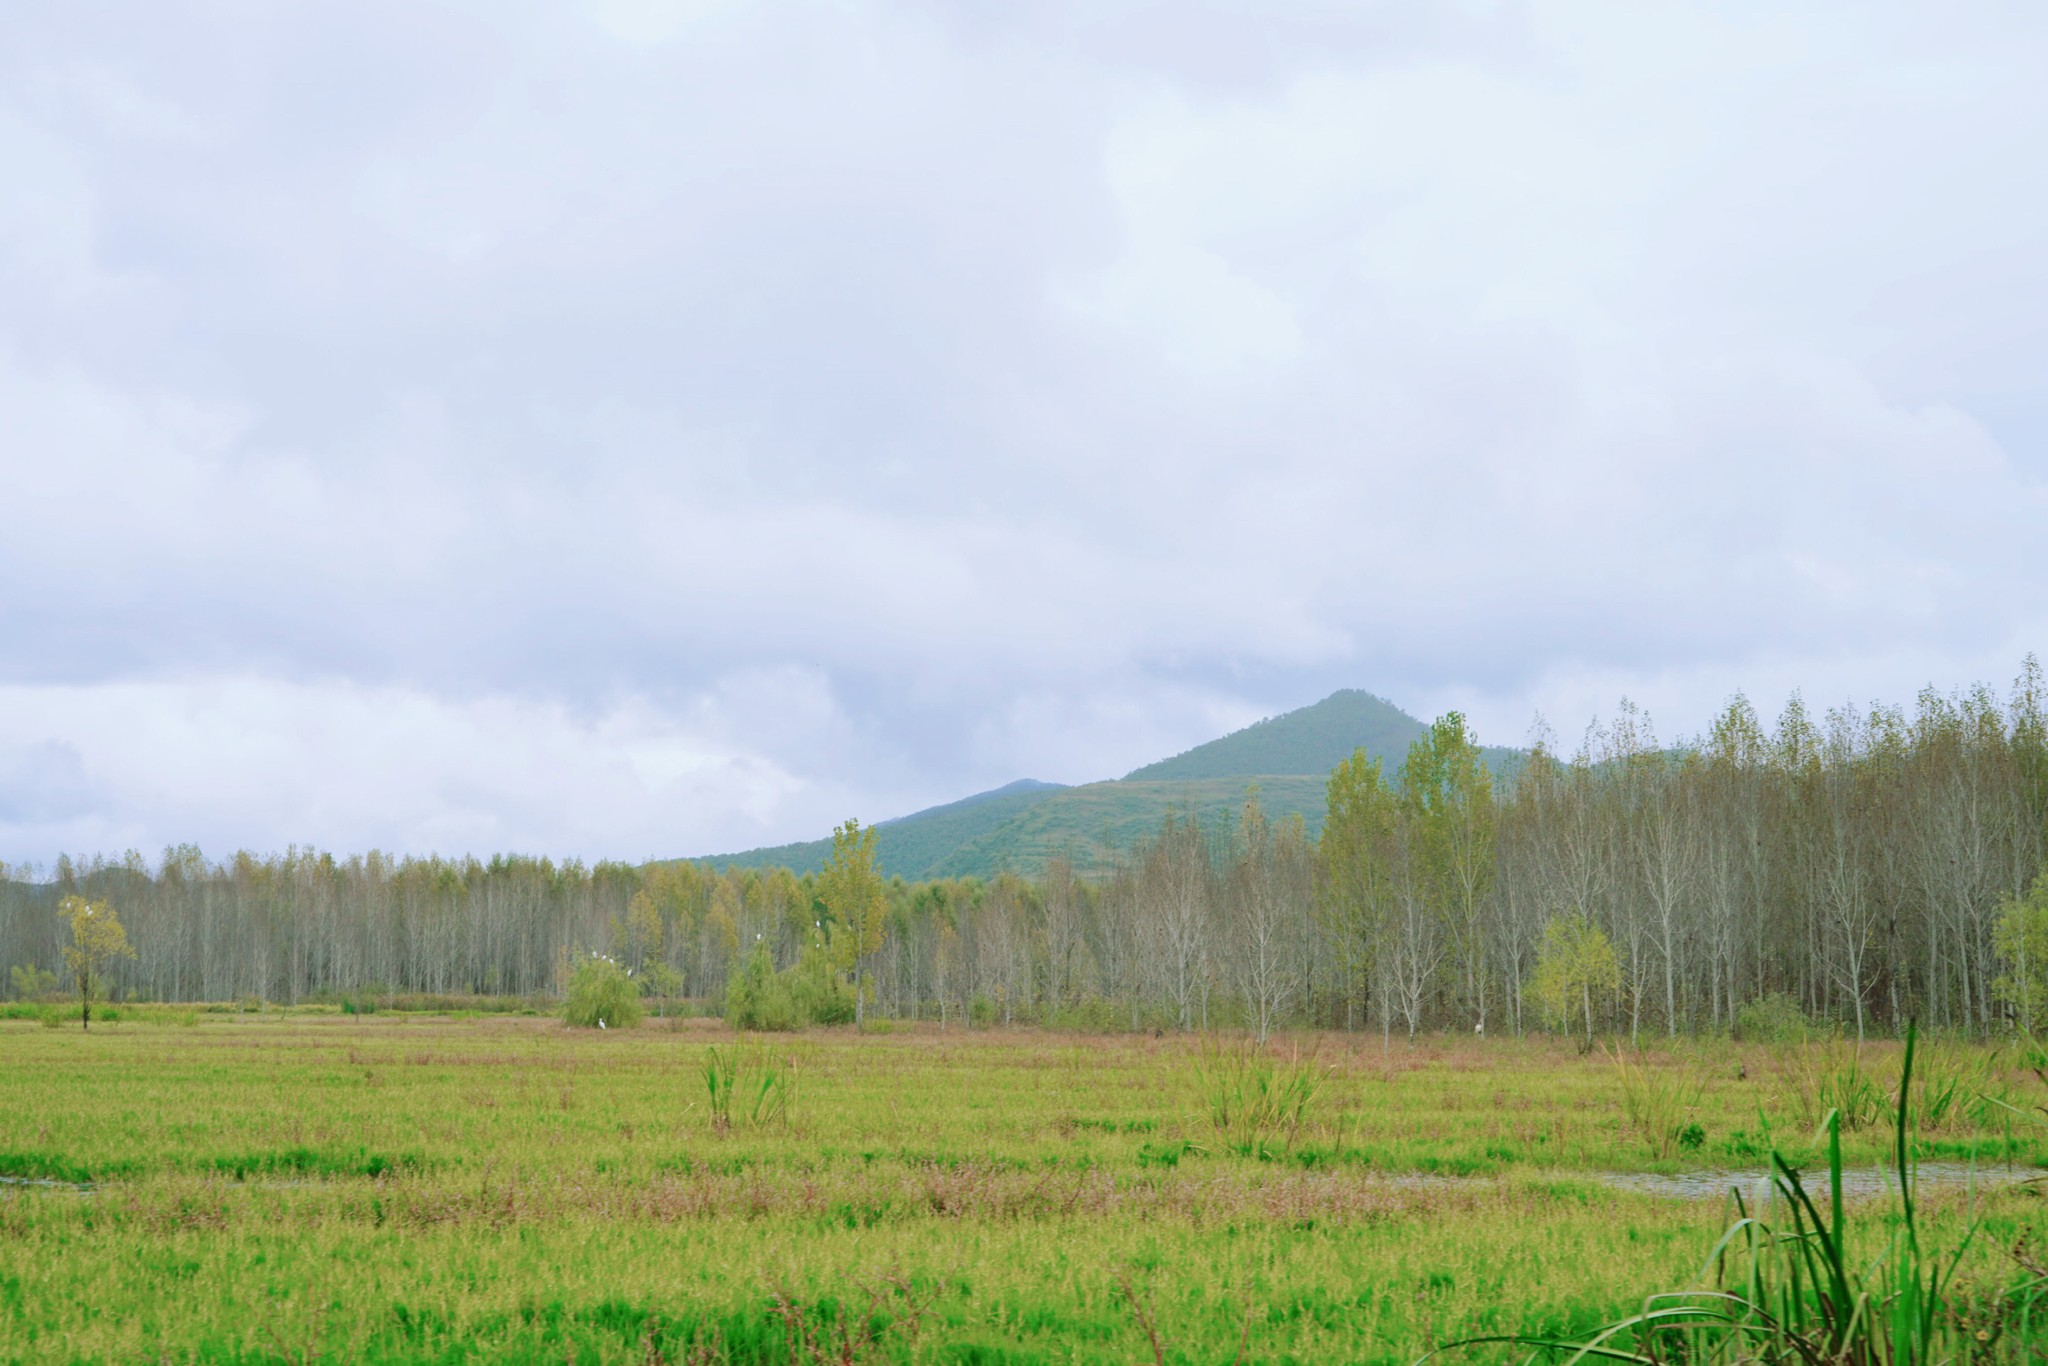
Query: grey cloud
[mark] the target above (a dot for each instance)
(42, 782)
(890, 401)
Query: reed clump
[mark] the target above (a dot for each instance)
(1794, 1289)
(1256, 1099)
(750, 1085)
(1660, 1103)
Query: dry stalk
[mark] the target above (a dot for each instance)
(1141, 1311)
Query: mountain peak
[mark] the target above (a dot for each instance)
(1309, 742)
(1020, 825)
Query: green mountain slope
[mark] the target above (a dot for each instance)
(1094, 823)
(911, 845)
(1309, 740)
(1016, 828)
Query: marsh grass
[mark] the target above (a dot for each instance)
(295, 1185)
(1837, 1078)
(1255, 1099)
(1961, 1085)
(841, 1332)
(1660, 1102)
(1957, 1086)
(751, 1084)
(1796, 1290)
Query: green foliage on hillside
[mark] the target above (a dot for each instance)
(1019, 832)
(913, 844)
(1309, 741)
(1016, 828)
(1092, 823)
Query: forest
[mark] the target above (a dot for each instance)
(1862, 867)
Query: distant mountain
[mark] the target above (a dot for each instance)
(1094, 823)
(1018, 788)
(1308, 741)
(1311, 740)
(910, 845)
(1018, 827)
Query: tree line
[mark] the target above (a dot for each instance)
(1865, 866)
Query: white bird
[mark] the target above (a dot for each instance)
(601, 1024)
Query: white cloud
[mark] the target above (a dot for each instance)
(251, 762)
(696, 422)
(656, 21)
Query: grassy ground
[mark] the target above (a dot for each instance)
(404, 1188)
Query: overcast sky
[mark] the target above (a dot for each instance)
(655, 427)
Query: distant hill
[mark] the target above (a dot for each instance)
(910, 845)
(1092, 824)
(1018, 827)
(1312, 740)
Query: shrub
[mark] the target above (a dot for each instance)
(757, 997)
(821, 994)
(1091, 1015)
(602, 992)
(811, 992)
(661, 983)
(1775, 1018)
(32, 983)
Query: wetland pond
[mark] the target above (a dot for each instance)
(1858, 1183)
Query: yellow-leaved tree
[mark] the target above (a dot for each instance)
(2020, 938)
(1574, 960)
(851, 888)
(97, 939)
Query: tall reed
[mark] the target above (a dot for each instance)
(1658, 1101)
(1254, 1098)
(1793, 1291)
(762, 1085)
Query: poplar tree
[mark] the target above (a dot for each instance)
(851, 889)
(1575, 960)
(2020, 938)
(1447, 795)
(97, 939)
(1356, 873)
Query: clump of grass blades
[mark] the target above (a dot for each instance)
(1658, 1102)
(1834, 1079)
(1254, 1098)
(1961, 1086)
(1789, 1294)
(752, 1085)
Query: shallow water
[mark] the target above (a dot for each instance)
(42, 1183)
(1858, 1183)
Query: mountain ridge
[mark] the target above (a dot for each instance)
(1018, 826)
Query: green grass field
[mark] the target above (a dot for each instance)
(305, 1186)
